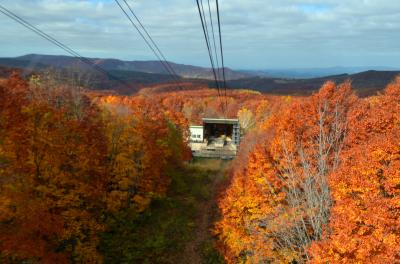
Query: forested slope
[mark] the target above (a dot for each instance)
(320, 184)
(87, 177)
(68, 165)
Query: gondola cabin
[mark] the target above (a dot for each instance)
(216, 138)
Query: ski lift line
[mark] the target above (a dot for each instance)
(215, 46)
(27, 24)
(208, 34)
(220, 44)
(207, 43)
(209, 46)
(216, 53)
(147, 42)
(222, 52)
(141, 34)
(51, 39)
(151, 39)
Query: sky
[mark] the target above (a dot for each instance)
(257, 34)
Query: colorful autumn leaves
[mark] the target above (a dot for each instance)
(364, 225)
(321, 186)
(67, 163)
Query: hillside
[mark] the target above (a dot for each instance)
(121, 82)
(155, 67)
(307, 73)
(140, 74)
(364, 83)
(114, 174)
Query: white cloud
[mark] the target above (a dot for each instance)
(257, 33)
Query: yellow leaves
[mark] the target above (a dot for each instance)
(288, 99)
(141, 202)
(141, 148)
(35, 80)
(116, 200)
(87, 254)
(373, 100)
(246, 119)
(125, 183)
(260, 180)
(5, 208)
(66, 164)
(363, 230)
(287, 256)
(391, 240)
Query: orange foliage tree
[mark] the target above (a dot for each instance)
(279, 202)
(146, 143)
(52, 176)
(204, 102)
(66, 163)
(364, 225)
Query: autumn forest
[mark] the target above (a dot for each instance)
(88, 177)
(199, 132)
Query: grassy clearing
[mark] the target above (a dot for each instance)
(162, 233)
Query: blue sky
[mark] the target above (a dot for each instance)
(257, 34)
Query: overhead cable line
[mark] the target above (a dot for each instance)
(221, 48)
(213, 35)
(51, 39)
(210, 47)
(153, 49)
(205, 31)
(152, 40)
(223, 85)
(220, 44)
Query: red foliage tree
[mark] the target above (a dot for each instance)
(67, 162)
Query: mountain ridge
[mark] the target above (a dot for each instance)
(364, 83)
(315, 72)
(146, 74)
(183, 70)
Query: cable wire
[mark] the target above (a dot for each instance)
(203, 21)
(151, 39)
(147, 41)
(210, 47)
(221, 48)
(213, 35)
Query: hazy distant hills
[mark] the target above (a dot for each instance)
(307, 73)
(26, 64)
(139, 74)
(69, 69)
(365, 83)
(186, 71)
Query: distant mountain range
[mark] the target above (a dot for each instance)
(365, 83)
(306, 73)
(139, 74)
(36, 61)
